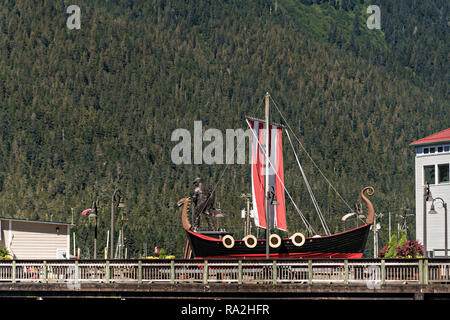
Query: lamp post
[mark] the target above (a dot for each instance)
(426, 197)
(375, 227)
(93, 215)
(116, 200)
(433, 211)
(122, 242)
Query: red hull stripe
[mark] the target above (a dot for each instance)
(202, 236)
(304, 255)
(345, 245)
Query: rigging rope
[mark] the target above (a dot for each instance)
(305, 222)
(311, 194)
(303, 148)
(237, 145)
(226, 167)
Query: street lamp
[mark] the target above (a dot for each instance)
(93, 216)
(116, 201)
(433, 211)
(426, 197)
(376, 226)
(122, 243)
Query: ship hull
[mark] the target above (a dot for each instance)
(348, 244)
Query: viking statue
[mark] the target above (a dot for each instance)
(203, 200)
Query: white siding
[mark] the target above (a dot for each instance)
(33, 240)
(435, 223)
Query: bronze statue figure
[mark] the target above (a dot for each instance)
(203, 200)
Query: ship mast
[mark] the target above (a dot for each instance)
(267, 190)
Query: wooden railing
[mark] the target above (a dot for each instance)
(373, 272)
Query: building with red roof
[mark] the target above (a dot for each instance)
(436, 138)
(432, 166)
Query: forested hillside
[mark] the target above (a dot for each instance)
(85, 111)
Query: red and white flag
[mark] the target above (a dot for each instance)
(276, 175)
(85, 212)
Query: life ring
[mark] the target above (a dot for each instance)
(228, 241)
(298, 239)
(250, 241)
(274, 241)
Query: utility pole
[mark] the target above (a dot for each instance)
(389, 226)
(374, 226)
(403, 216)
(116, 197)
(95, 217)
(122, 241)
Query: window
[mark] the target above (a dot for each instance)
(447, 148)
(444, 173)
(440, 149)
(429, 174)
(432, 150)
(425, 150)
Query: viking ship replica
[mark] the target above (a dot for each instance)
(268, 196)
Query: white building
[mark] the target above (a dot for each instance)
(26, 239)
(432, 168)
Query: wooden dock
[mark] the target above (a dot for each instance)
(224, 279)
(224, 291)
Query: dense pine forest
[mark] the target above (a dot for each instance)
(85, 111)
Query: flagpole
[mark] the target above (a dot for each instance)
(266, 178)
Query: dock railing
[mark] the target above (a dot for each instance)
(375, 272)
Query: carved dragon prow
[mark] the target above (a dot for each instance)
(370, 210)
(185, 202)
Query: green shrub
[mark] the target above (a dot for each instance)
(4, 254)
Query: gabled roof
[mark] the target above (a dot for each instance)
(441, 136)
